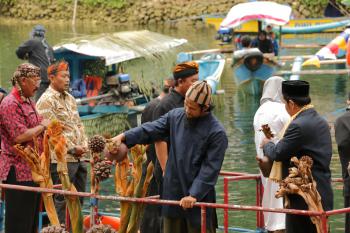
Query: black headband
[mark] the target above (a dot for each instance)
(185, 73)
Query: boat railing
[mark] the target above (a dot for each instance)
(229, 177)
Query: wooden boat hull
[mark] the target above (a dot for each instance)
(251, 82)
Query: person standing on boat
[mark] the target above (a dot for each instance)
(57, 103)
(342, 137)
(151, 222)
(197, 145)
(39, 53)
(19, 124)
(272, 37)
(263, 43)
(307, 134)
(272, 112)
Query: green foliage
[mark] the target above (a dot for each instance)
(93, 3)
(314, 2)
(107, 3)
(7, 1)
(94, 68)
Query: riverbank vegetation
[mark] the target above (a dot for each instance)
(140, 12)
(94, 3)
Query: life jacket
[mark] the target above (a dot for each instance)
(93, 87)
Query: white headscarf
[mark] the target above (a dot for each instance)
(272, 90)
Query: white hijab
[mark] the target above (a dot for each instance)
(272, 90)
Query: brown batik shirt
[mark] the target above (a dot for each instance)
(63, 107)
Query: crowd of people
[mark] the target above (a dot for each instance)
(187, 143)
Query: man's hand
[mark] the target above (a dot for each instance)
(117, 140)
(265, 165)
(45, 123)
(79, 151)
(187, 202)
(264, 142)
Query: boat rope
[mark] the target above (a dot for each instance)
(339, 7)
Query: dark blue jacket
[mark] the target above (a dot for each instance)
(196, 153)
(308, 134)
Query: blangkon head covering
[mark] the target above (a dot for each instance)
(58, 66)
(25, 70)
(199, 92)
(185, 70)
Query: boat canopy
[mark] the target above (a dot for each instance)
(268, 12)
(120, 46)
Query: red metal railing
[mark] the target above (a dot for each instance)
(259, 190)
(202, 205)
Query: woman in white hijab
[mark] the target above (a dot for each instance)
(272, 112)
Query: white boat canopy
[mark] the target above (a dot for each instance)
(269, 12)
(120, 46)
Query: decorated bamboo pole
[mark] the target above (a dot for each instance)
(40, 168)
(312, 72)
(301, 182)
(58, 142)
(99, 170)
(130, 183)
(332, 62)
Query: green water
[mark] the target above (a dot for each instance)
(328, 93)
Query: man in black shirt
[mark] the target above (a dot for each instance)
(151, 222)
(184, 74)
(39, 53)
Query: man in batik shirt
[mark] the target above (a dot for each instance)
(57, 103)
(19, 124)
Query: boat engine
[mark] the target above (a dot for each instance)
(122, 86)
(225, 35)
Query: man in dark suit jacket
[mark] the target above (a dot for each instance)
(308, 134)
(342, 137)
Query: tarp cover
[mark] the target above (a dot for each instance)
(120, 46)
(269, 12)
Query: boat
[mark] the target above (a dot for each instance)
(211, 66)
(108, 99)
(244, 13)
(251, 67)
(251, 71)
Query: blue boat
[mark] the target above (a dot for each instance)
(251, 69)
(211, 66)
(108, 100)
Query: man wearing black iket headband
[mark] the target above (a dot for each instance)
(39, 53)
(306, 134)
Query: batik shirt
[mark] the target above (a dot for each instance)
(62, 106)
(16, 117)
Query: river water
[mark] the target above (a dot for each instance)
(236, 111)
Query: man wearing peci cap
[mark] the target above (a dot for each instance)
(197, 145)
(307, 134)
